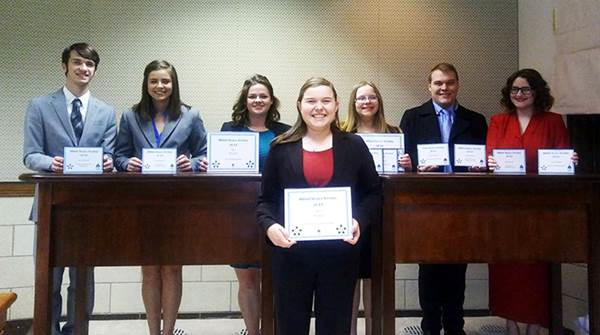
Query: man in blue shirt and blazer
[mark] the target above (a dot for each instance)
(442, 120)
(69, 117)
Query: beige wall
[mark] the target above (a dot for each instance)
(537, 49)
(215, 45)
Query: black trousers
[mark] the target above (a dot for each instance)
(441, 295)
(325, 270)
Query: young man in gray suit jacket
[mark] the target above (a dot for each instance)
(69, 117)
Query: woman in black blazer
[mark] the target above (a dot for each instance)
(315, 153)
(256, 110)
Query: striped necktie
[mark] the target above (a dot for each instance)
(76, 119)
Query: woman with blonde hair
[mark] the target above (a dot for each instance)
(365, 115)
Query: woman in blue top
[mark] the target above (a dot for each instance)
(160, 120)
(256, 109)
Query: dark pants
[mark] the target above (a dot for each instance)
(325, 270)
(441, 295)
(57, 278)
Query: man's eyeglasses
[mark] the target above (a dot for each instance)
(525, 90)
(365, 98)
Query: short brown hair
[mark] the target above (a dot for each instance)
(445, 68)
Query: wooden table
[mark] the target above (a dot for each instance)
(482, 218)
(121, 219)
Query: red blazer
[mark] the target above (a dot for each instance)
(546, 130)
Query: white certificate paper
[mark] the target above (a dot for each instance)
(159, 160)
(233, 152)
(82, 160)
(385, 149)
(555, 161)
(509, 160)
(433, 154)
(469, 155)
(318, 213)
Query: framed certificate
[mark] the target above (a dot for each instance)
(83, 160)
(469, 155)
(555, 161)
(318, 213)
(159, 160)
(233, 152)
(385, 149)
(509, 160)
(433, 154)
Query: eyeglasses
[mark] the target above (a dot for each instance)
(366, 98)
(525, 90)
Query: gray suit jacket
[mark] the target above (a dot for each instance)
(48, 130)
(186, 133)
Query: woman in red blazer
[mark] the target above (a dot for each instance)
(519, 292)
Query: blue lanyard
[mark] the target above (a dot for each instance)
(156, 134)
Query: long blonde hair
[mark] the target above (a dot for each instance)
(352, 121)
(298, 130)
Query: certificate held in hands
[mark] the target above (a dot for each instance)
(233, 152)
(385, 149)
(469, 155)
(159, 160)
(318, 213)
(511, 161)
(433, 154)
(555, 161)
(82, 160)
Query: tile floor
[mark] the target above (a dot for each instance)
(230, 326)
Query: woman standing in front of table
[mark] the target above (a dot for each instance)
(315, 153)
(365, 115)
(519, 292)
(160, 120)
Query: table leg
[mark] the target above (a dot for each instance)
(43, 268)
(81, 317)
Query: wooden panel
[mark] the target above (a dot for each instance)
(133, 219)
(16, 189)
(447, 218)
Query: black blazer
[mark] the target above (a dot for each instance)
(420, 126)
(277, 127)
(352, 166)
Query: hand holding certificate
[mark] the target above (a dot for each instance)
(386, 149)
(470, 155)
(159, 160)
(81, 160)
(318, 213)
(557, 161)
(509, 160)
(433, 154)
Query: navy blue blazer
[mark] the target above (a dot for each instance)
(420, 126)
(186, 134)
(352, 166)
